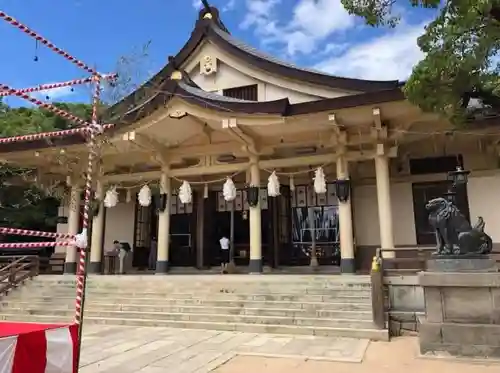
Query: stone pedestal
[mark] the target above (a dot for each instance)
(462, 307)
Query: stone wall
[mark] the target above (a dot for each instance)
(406, 303)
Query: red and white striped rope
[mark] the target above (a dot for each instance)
(14, 22)
(47, 135)
(80, 276)
(45, 105)
(45, 87)
(25, 232)
(33, 245)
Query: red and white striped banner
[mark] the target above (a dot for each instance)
(38, 348)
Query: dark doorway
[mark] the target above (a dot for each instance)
(182, 250)
(422, 193)
(146, 226)
(221, 225)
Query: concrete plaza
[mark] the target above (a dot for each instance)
(121, 349)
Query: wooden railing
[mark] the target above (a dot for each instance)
(15, 269)
(47, 266)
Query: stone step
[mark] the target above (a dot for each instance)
(50, 301)
(212, 289)
(116, 296)
(286, 312)
(207, 317)
(211, 279)
(373, 334)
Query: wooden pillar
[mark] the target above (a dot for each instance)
(347, 262)
(164, 227)
(255, 264)
(73, 225)
(97, 233)
(384, 201)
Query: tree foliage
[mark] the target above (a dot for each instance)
(26, 205)
(461, 53)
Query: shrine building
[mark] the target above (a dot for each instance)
(220, 109)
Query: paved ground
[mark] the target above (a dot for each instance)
(120, 349)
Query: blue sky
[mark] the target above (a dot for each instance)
(316, 33)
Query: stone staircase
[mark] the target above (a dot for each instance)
(324, 305)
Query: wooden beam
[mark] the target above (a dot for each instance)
(231, 127)
(378, 131)
(339, 135)
(312, 160)
(160, 151)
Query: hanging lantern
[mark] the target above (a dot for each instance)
(144, 196)
(319, 181)
(229, 190)
(160, 201)
(205, 191)
(343, 189)
(253, 196)
(111, 197)
(95, 206)
(128, 197)
(292, 184)
(273, 185)
(185, 193)
(459, 176)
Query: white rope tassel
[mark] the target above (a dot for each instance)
(273, 185)
(185, 193)
(229, 190)
(128, 197)
(292, 183)
(81, 239)
(144, 196)
(319, 181)
(111, 197)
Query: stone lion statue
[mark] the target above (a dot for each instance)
(454, 234)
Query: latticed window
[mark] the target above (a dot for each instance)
(248, 92)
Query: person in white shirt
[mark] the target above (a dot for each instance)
(224, 251)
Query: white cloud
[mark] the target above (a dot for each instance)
(391, 56)
(230, 5)
(196, 4)
(54, 94)
(313, 22)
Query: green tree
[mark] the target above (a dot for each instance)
(460, 48)
(24, 205)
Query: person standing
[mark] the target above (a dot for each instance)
(122, 255)
(224, 251)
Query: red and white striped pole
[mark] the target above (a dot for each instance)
(25, 232)
(81, 273)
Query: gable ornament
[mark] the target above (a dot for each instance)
(208, 65)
